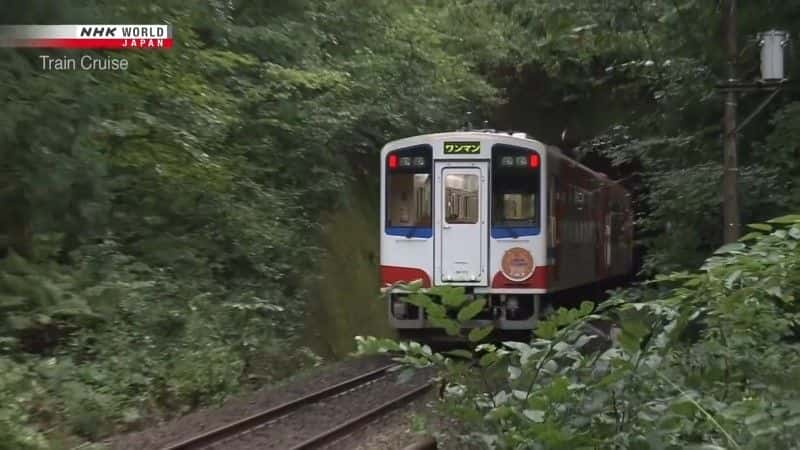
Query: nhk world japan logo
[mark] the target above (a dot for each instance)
(108, 37)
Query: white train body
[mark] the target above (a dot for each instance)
(501, 215)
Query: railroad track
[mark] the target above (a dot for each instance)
(263, 419)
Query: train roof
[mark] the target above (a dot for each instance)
(414, 140)
(508, 137)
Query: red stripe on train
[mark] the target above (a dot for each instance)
(394, 274)
(537, 281)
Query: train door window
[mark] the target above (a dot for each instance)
(409, 189)
(461, 197)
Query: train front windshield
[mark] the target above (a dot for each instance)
(515, 187)
(409, 200)
(409, 189)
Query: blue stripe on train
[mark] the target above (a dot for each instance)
(412, 232)
(497, 232)
(510, 232)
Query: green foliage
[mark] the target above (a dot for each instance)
(702, 360)
(162, 223)
(447, 307)
(159, 226)
(16, 393)
(343, 303)
(633, 82)
(118, 357)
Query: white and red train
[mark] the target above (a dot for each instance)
(502, 215)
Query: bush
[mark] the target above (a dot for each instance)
(113, 341)
(17, 391)
(705, 360)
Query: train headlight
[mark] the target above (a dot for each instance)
(419, 161)
(507, 161)
(405, 161)
(522, 161)
(517, 264)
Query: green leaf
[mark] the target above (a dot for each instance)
(730, 248)
(731, 279)
(634, 323)
(518, 346)
(760, 226)
(683, 407)
(693, 282)
(629, 342)
(499, 413)
(420, 300)
(751, 236)
(611, 378)
(791, 218)
(488, 359)
(583, 340)
(436, 310)
(759, 417)
(460, 353)
(453, 299)
(471, 310)
(546, 329)
(450, 326)
(478, 334)
(534, 415)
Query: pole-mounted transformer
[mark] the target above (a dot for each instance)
(773, 45)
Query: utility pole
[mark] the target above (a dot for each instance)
(730, 199)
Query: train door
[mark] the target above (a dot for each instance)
(461, 232)
(555, 211)
(608, 236)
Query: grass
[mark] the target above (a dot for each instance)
(345, 302)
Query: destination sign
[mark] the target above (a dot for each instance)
(462, 148)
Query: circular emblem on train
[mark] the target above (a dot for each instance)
(517, 264)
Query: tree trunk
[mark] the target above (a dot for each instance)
(730, 195)
(16, 227)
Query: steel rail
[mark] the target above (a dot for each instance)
(247, 423)
(330, 435)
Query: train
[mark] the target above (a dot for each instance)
(503, 216)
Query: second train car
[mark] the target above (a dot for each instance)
(505, 216)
